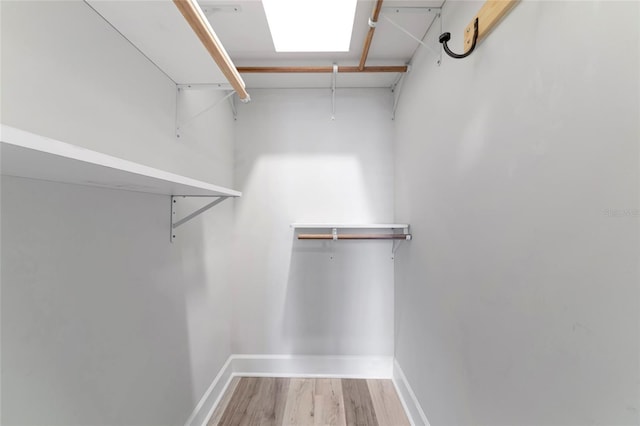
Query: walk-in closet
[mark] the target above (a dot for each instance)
(319, 212)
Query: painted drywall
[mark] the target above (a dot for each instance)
(517, 300)
(295, 164)
(103, 320)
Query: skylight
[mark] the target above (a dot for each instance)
(310, 25)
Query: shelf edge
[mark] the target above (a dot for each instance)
(349, 225)
(41, 144)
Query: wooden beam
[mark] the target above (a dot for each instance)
(322, 69)
(489, 15)
(198, 22)
(367, 42)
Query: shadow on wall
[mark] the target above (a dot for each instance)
(203, 249)
(294, 298)
(98, 313)
(339, 298)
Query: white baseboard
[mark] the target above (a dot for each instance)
(212, 396)
(407, 397)
(361, 367)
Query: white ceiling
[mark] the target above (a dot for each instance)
(159, 31)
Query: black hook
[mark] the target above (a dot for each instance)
(445, 37)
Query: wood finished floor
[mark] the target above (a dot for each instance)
(306, 401)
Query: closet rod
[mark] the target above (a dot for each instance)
(323, 69)
(201, 27)
(372, 28)
(354, 236)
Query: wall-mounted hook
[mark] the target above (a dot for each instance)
(445, 37)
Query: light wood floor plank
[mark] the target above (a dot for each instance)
(300, 407)
(315, 402)
(266, 401)
(329, 403)
(282, 393)
(386, 403)
(240, 400)
(358, 406)
(222, 405)
(257, 401)
(272, 401)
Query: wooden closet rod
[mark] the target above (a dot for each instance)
(372, 29)
(355, 236)
(200, 25)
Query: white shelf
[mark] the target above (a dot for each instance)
(160, 32)
(28, 155)
(350, 225)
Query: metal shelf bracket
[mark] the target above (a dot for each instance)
(181, 89)
(396, 243)
(176, 223)
(333, 91)
(435, 10)
(234, 109)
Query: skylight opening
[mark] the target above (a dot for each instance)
(310, 25)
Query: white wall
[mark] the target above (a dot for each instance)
(294, 164)
(103, 320)
(517, 300)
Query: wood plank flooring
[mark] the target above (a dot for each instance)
(269, 401)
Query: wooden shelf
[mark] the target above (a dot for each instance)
(28, 155)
